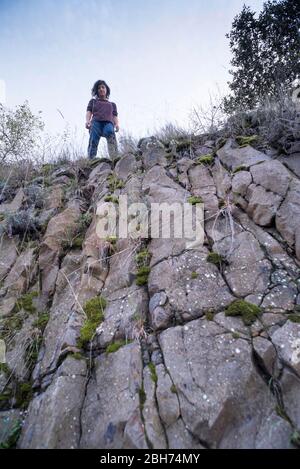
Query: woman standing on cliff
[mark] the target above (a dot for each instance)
(102, 120)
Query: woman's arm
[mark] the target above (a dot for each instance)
(115, 117)
(116, 122)
(88, 118)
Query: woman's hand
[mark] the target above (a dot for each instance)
(88, 125)
(117, 128)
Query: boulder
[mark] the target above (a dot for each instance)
(241, 181)
(271, 175)
(228, 406)
(288, 217)
(174, 277)
(263, 205)
(246, 156)
(248, 271)
(105, 423)
(53, 419)
(8, 254)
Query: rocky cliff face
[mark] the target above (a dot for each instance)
(130, 343)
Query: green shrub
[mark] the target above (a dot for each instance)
(209, 315)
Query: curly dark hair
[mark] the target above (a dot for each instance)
(96, 86)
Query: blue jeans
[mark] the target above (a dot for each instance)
(102, 129)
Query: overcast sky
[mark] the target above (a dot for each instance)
(159, 57)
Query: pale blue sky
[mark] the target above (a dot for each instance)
(159, 57)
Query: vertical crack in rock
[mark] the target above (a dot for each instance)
(204, 444)
(88, 379)
(272, 379)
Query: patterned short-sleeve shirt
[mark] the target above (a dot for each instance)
(102, 109)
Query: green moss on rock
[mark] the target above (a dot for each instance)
(24, 394)
(248, 311)
(77, 242)
(294, 317)
(142, 398)
(235, 335)
(5, 397)
(115, 183)
(77, 356)
(32, 351)
(143, 258)
(142, 275)
(152, 369)
(94, 307)
(4, 368)
(240, 168)
(111, 198)
(12, 438)
(42, 321)
(11, 324)
(215, 258)
(205, 159)
(244, 140)
(173, 389)
(115, 346)
(26, 302)
(111, 239)
(295, 438)
(193, 200)
(94, 310)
